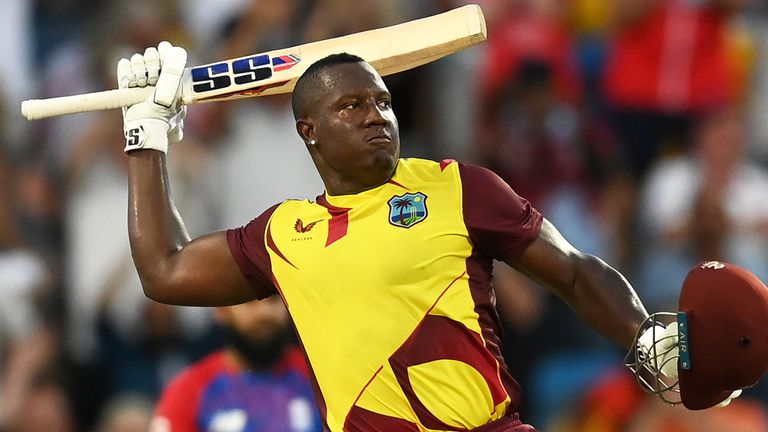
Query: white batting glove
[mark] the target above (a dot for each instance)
(727, 402)
(155, 122)
(659, 344)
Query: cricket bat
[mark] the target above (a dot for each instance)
(389, 50)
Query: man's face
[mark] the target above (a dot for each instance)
(356, 129)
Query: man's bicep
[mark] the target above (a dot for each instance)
(204, 273)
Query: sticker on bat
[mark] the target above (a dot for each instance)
(244, 70)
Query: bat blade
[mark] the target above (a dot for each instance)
(389, 50)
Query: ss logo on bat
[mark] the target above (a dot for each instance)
(242, 71)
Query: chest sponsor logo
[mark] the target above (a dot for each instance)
(301, 228)
(407, 210)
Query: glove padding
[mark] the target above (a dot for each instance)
(659, 344)
(158, 120)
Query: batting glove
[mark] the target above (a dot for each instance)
(727, 402)
(155, 122)
(659, 346)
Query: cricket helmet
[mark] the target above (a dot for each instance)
(721, 340)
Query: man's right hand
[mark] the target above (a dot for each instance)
(659, 345)
(659, 349)
(151, 124)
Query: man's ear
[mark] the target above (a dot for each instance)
(306, 130)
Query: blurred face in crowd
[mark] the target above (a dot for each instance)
(256, 320)
(721, 141)
(259, 331)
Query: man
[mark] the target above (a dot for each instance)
(258, 382)
(387, 275)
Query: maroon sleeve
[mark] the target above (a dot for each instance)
(250, 252)
(500, 222)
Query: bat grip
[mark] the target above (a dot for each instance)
(34, 109)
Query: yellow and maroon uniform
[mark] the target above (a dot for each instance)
(390, 292)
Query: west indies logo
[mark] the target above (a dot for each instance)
(407, 210)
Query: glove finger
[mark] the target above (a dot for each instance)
(176, 134)
(728, 400)
(125, 76)
(724, 403)
(152, 62)
(170, 76)
(139, 69)
(669, 337)
(163, 48)
(182, 113)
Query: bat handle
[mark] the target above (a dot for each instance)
(34, 109)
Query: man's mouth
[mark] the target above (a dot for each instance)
(379, 138)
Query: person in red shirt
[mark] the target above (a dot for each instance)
(257, 382)
(667, 64)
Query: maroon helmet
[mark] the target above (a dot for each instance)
(721, 342)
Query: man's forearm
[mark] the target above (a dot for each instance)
(155, 228)
(606, 300)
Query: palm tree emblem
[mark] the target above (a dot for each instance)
(401, 204)
(407, 210)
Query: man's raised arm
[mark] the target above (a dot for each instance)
(173, 268)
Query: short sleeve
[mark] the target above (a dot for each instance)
(501, 223)
(250, 252)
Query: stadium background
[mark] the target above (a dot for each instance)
(544, 102)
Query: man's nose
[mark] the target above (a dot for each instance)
(375, 115)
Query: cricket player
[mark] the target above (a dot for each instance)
(386, 274)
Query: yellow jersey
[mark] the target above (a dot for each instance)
(391, 296)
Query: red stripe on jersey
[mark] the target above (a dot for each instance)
(390, 181)
(445, 162)
(337, 225)
(367, 384)
(339, 222)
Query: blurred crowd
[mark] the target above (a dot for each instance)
(638, 127)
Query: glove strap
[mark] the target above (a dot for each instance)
(146, 134)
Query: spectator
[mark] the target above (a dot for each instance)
(258, 381)
(668, 63)
(31, 397)
(704, 206)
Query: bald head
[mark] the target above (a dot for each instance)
(313, 81)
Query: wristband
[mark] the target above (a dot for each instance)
(146, 134)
